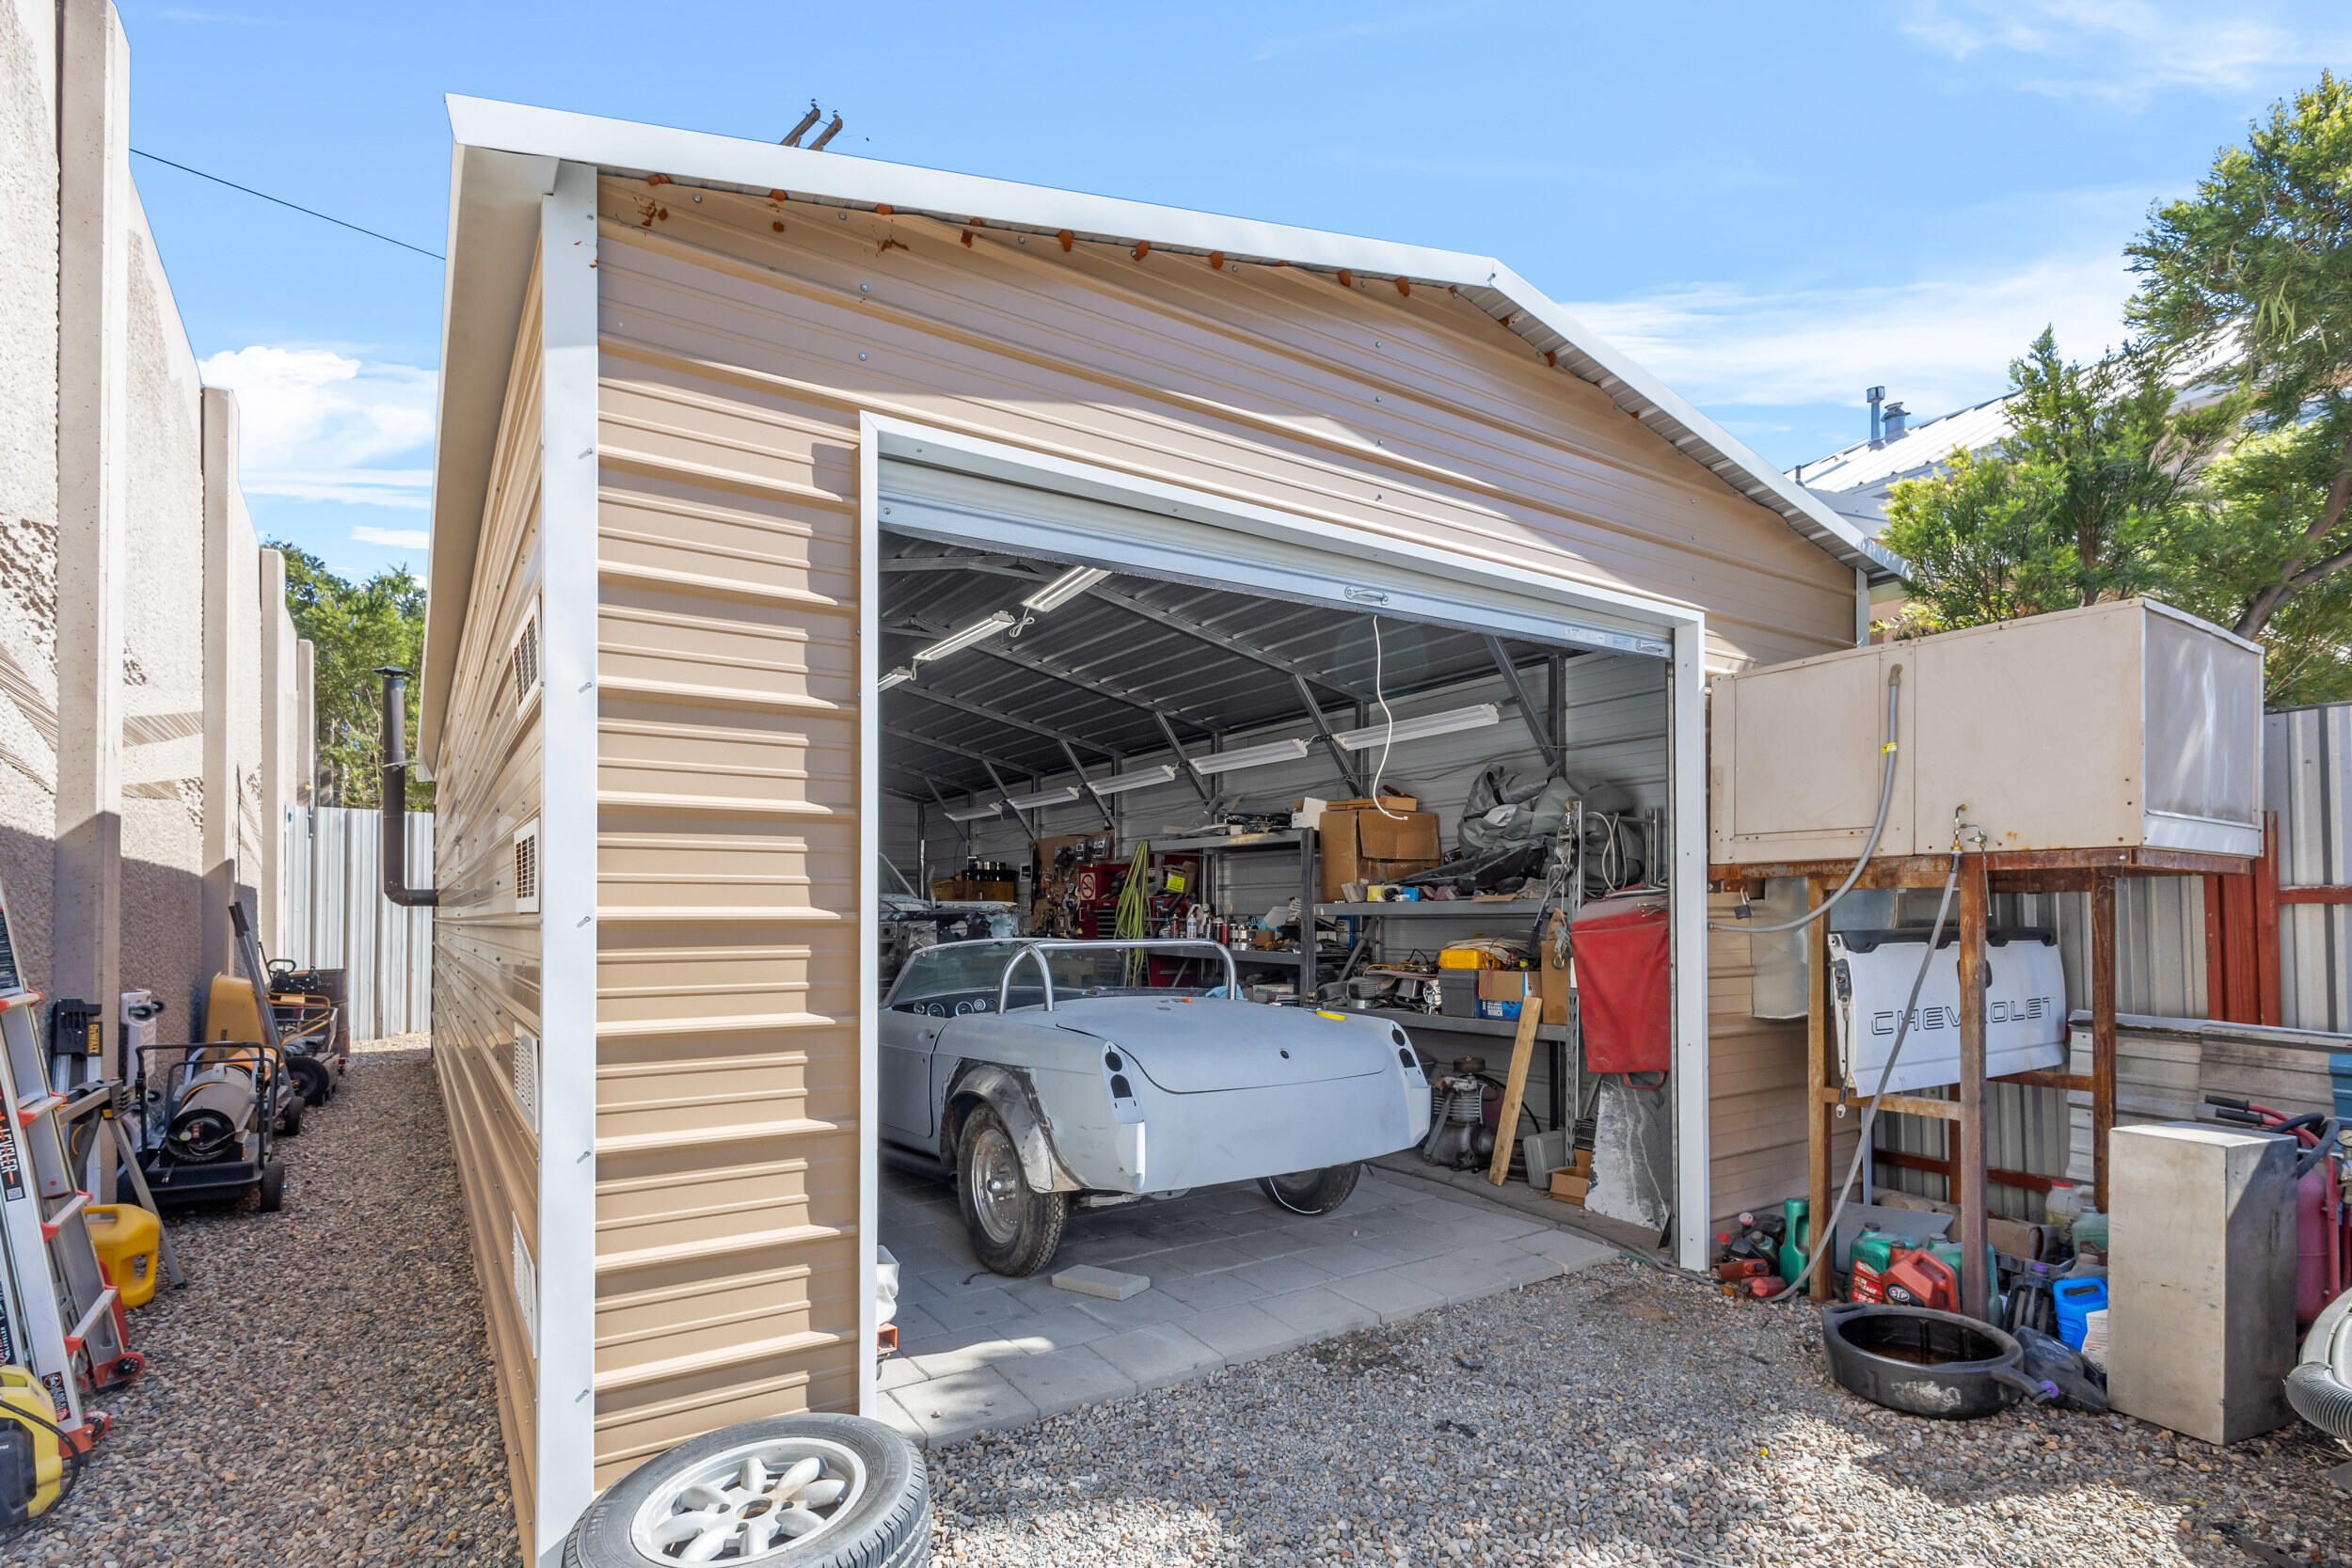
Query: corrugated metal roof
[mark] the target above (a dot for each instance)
(506, 156)
(1856, 482)
(1090, 672)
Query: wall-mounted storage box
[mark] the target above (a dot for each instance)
(2127, 725)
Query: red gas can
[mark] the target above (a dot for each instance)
(1923, 1279)
(1620, 947)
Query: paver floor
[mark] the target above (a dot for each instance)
(1233, 1279)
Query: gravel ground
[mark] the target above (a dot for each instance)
(320, 1392)
(1618, 1416)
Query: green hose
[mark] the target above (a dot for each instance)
(1135, 913)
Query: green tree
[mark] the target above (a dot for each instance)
(353, 627)
(2077, 504)
(2253, 276)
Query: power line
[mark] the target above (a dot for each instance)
(295, 205)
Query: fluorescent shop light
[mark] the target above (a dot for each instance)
(1142, 778)
(1473, 718)
(978, 631)
(1043, 798)
(899, 676)
(973, 814)
(1064, 588)
(1250, 756)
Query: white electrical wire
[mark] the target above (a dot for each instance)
(1387, 717)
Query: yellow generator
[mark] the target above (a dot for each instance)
(32, 1449)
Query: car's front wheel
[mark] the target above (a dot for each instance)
(1014, 1230)
(1311, 1192)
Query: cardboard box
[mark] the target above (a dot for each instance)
(1361, 843)
(1503, 992)
(1570, 1189)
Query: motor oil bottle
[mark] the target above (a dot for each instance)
(1874, 1252)
(1922, 1280)
(1792, 1237)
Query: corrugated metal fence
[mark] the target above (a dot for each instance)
(337, 917)
(2307, 760)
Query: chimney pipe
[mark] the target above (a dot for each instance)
(392, 803)
(1875, 396)
(1898, 420)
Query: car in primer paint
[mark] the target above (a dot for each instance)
(1045, 1072)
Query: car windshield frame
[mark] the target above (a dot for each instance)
(1077, 968)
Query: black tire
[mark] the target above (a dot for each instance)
(887, 1525)
(289, 1119)
(310, 1080)
(1014, 1230)
(270, 1192)
(1311, 1192)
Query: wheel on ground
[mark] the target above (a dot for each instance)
(1014, 1230)
(811, 1491)
(310, 1080)
(289, 1119)
(1311, 1192)
(271, 1192)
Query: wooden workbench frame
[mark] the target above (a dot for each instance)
(2091, 871)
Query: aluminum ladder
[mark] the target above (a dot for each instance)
(57, 1314)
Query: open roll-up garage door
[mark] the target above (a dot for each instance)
(975, 495)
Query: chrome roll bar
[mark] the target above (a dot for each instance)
(1037, 951)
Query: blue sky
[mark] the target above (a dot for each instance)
(1774, 207)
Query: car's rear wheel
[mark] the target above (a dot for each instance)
(1311, 1192)
(1014, 1230)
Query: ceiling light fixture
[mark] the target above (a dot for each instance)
(1043, 798)
(956, 641)
(899, 676)
(974, 813)
(1064, 588)
(1250, 756)
(1142, 778)
(1476, 717)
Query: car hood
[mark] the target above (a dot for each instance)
(1202, 1045)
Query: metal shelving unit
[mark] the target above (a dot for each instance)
(1300, 841)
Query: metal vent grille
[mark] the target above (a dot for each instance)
(527, 1076)
(525, 659)
(527, 869)
(526, 1285)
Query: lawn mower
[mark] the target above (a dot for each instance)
(307, 1025)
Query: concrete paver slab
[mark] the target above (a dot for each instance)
(1155, 1357)
(1109, 1284)
(1388, 1292)
(946, 1408)
(1064, 1378)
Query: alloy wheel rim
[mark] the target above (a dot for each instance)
(749, 1502)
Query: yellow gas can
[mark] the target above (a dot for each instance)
(130, 1241)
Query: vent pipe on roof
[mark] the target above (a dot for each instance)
(392, 796)
(802, 129)
(1898, 419)
(1875, 396)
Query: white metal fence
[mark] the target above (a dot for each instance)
(337, 917)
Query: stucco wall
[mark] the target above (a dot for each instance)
(28, 471)
(162, 648)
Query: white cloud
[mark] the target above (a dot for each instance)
(1936, 344)
(2126, 49)
(317, 425)
(398, 538)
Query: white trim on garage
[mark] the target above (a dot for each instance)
(949, 485)
(566, 1249)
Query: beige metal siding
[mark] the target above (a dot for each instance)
(729, 885)
(485, 954)
(741, 339)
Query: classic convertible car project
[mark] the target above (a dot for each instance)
(1041, 1073)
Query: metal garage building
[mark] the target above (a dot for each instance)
(689, 386)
